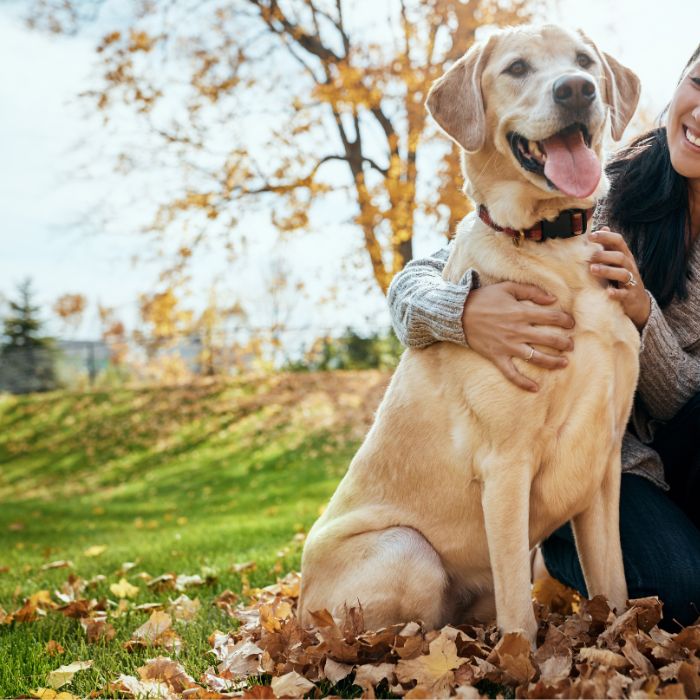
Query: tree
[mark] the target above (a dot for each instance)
(27, 355)
(21, 329)
(286, 104)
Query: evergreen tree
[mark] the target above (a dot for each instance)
(21, 328)
(26, 357)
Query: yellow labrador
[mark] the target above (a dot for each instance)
(463, 472)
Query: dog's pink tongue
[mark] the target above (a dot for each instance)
(571, 165)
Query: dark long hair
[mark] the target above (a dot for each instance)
(648, 202)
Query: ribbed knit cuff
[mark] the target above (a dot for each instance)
(655, 326)
(437, 312)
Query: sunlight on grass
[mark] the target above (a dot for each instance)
(183, 480)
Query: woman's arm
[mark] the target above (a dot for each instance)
(493, 320)
(668, 375)
(424, 307)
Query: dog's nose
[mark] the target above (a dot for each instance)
(574, 91)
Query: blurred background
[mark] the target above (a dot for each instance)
(207, 188)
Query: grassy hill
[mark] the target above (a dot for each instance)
(188, 480)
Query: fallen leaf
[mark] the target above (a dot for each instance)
(164, 582)
(240, 659)
(369, 675)
(184, 609)
(434, 671)
(226, 601)
(60, 564)
(182, 581)
(98, 629)
(335, 672)
(95, 550)
(170, 672)
(41, 599)
(135, 688)
(64, 674)
(513, 656)
(245, 566)
(53, 648)
(158, 623)
(124, 589)
(291, 685)
(51, 694)
(603, 657)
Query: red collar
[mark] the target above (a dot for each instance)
(569, 223)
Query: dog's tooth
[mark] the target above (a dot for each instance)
(534, 148)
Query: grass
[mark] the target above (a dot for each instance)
(187, 480)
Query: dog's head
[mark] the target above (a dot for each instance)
(529, 108)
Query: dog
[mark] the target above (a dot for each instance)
(463, 472)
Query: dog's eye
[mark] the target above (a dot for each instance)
(583, 60)
(517, 69)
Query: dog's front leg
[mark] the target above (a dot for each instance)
(597, 535)
(506, 506)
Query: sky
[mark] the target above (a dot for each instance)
(45, 201)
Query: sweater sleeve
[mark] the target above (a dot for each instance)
(668, 375)
(425, 308)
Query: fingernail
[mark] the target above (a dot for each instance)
(594, 234)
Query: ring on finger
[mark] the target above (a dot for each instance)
(631, 282)
(532, 352)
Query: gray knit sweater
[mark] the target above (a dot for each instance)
(425, 308)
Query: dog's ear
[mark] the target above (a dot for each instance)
(456, 103)
(622, 88)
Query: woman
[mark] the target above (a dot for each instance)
(651, 258)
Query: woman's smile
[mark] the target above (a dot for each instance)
(692, 138)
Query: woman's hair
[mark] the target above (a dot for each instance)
(648, 202)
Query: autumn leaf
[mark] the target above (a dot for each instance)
(64, 674)
(53, 648)
(239, 659)
(130, 686)
(59, 564)
(603, 657)
(182, 581)
(513, 655)
(51, 694)
(156, 632)
(369, 675)
(95, 550)
(291, 685)
(434, 671)
(158, 623)
(555, 595)
(124, 589)
(97, 629)
(168, 671)
(184, 609)
(335, 672)
(41, 599)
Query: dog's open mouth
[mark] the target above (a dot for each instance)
(565, 159)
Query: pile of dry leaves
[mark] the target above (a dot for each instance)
(584, 651)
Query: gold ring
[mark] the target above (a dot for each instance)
(532, 352)
(631, 282)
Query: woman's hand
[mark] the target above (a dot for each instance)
(502, 321)
(617, 264)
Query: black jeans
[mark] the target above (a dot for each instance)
(660, 531)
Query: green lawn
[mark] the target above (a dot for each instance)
(188, 480)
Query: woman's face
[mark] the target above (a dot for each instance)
(683, 125)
